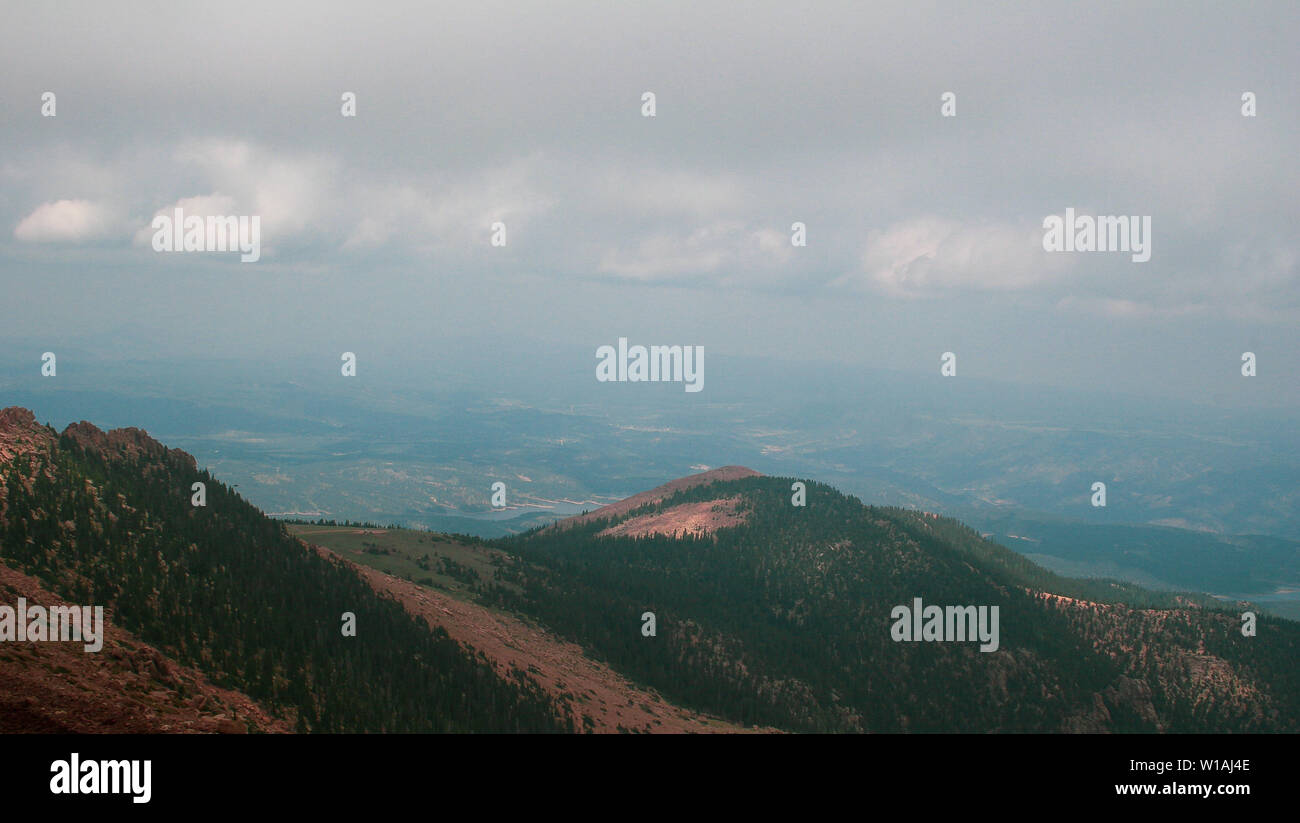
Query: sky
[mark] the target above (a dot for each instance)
(924, 232)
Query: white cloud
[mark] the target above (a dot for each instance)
(930, 257)
(773, 243)
(665, 256)
(204, 205)
(439, 214)
(291, 193)
(66, 221)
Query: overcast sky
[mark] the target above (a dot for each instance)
(924, 232)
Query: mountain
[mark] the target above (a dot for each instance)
(783, 615)
(714, 602)
(223, 596)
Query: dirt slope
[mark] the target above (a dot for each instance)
(600, 699)
(688, 519)
(656, 494)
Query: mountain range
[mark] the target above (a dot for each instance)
(723, 601)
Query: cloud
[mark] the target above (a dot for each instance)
(66, 221)
(665, 256)
(662, 192)
(929, 257)
(715, 249)
(1261, 264)
(209, 205)
(290, 192)
(438, 213)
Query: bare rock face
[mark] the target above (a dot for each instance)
(21, 434)
(125, 444)
(1125, 696)
(1133, 696)
(16, 417)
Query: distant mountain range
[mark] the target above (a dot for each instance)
(711, 603)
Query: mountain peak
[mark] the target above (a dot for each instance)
(20, 433)
(721, 473)
(127, 443)
(16, 417)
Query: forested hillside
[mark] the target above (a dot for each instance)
(784, 620)
(107, 519)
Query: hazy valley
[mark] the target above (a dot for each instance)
(1199, 498)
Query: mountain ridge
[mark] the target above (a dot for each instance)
(784, 619)
(107, 518)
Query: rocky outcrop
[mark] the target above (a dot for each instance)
(125, 444)
(21, 434)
